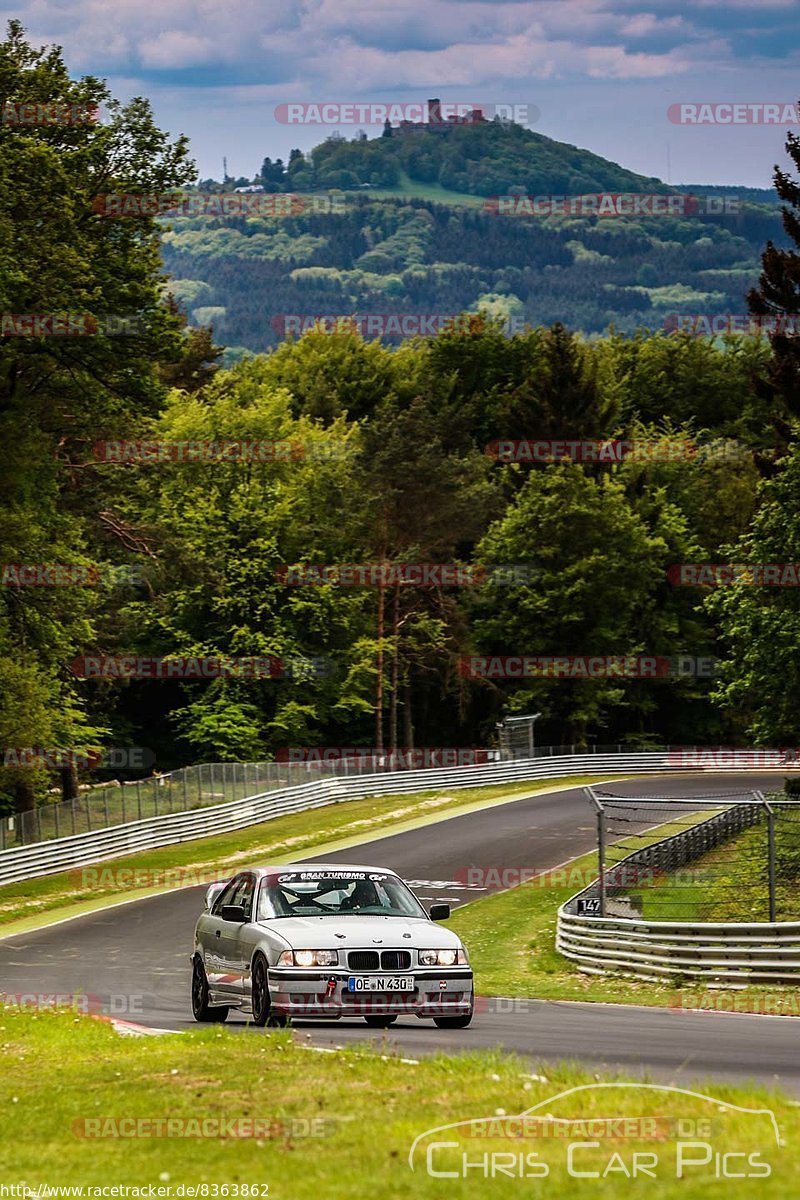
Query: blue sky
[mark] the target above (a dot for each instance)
(602, 73)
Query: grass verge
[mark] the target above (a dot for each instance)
(73, 1087)
(27, 904)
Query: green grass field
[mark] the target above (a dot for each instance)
(83, 1106)
(412, 189)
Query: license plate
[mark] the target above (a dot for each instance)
(380, 983)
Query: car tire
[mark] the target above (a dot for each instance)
(455, 1022)
(201, 1009)
(376, 1022)
(262, 1006)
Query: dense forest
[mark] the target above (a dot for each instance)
(404, 237)
(197, 512)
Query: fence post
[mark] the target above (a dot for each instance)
(770, 852)
(601, 848)
(139, 797)
(185, 791)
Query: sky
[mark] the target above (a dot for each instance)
(613, 76)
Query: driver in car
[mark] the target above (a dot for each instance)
(363, 895)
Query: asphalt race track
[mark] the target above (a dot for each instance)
(141, 951)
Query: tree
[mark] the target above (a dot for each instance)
(760, 625)
(777, 296)
(428, 502)
(598, 577)
(60, 394)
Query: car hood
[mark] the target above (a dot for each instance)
(349, 933)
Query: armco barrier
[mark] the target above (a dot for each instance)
(722, 952)
(60, 854)
(755, 952)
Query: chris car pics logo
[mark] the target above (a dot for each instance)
(610, 1132)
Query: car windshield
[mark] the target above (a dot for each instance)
(324, 893)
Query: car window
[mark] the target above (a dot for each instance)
(244, 894)
(326, 893)
(225, 896)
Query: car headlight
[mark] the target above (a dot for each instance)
(309, 958)
(443, 958)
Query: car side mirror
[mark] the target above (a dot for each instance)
(440, 912)
(213, 892)
(233, 912)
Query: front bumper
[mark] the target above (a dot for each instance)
(323, 993)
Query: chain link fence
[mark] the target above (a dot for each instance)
(214, 783)
(720, 857)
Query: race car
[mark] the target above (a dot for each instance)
(327, 940)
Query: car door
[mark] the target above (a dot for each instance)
(230, 940)
(218, 941)
(239, 937)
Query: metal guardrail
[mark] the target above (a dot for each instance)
(208, 784)
(720, 951)
(61, 854)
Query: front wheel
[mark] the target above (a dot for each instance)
(201, 1009)
(262, 1006)
(376, 1022)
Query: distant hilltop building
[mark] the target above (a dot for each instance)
(439, 121)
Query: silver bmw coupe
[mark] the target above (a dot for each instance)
(330, 941)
